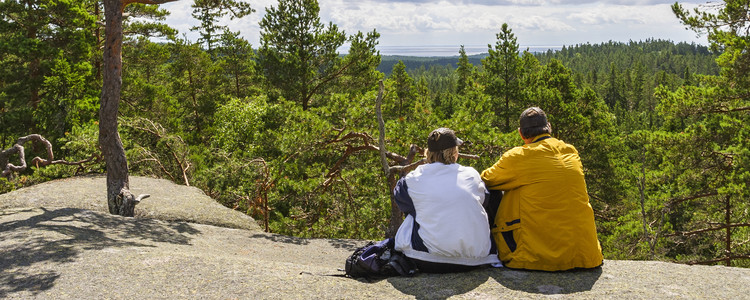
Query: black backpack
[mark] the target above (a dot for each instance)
(378, 260)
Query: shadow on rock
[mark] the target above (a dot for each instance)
(548, 283)
(350, 245)
(23, 281)
(32, 241)
(281, 238)
(440, 286)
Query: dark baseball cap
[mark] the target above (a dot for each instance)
(533, 117)
(441, 139)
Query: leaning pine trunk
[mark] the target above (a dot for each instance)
(119, 199)
(396, 215)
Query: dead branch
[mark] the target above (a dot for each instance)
(728, 110)
(381, 130)
(155, 160)
(410, 167)
(723, 226)
(264, 185)
(160, 133)
(675, 201)
(126, 2)
(366, 139)
(17, 148)
(726, 258)
(403, 164)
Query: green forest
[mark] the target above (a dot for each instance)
(287, 131)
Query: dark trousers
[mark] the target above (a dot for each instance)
(491, 205)
(433, 267)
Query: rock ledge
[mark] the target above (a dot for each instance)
(53, 249)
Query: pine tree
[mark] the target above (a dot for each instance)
(43, 39)
(403, 85)
(714, 155)
(210, 11)
(465, 72)
(298, 53)
(502, 75)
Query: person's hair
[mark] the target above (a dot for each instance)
(447, 156)
(533, 122)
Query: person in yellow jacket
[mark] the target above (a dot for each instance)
(544, 221)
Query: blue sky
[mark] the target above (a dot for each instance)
(476, 22)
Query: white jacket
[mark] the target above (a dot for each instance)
(445, 220)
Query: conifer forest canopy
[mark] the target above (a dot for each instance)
(309, 142)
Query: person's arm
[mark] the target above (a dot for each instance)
(403, 200)
(502, 176)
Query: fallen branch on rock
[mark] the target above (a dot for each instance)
(17, 148)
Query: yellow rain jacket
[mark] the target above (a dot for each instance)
(545, 221)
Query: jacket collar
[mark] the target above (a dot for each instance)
(541, 137)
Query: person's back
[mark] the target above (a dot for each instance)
(447, 203)
(446, 227)
(544, 221)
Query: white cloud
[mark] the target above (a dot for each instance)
(542, 2)
(616, 14)
(179, 15)
(421, 18)
(475, 22)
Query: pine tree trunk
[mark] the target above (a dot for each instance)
(119, 199)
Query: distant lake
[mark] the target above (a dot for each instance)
(450, 50)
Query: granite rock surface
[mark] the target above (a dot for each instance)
(54, 245)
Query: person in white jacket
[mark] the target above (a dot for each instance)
(446, 227)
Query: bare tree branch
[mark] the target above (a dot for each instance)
(731, 110)
(675, 201)
(381, 130)
(403, 163)
(726, 258)
(126, 2)
(17, 148)
(723, 226)
(410, 167)
(264, 185)
(366, 140)
(152, 158)
(160, 133)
